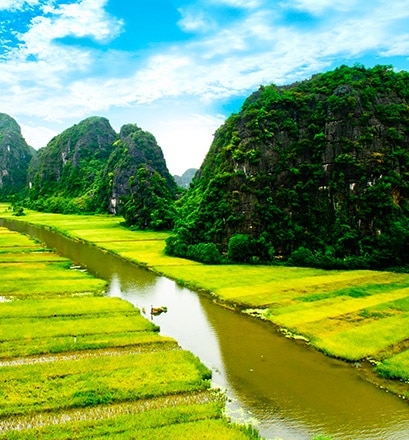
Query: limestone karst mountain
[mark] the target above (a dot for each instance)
(317, 171)
(69, 165)
(186, 178)
(90, 168)
(140, 185)
(15, 155)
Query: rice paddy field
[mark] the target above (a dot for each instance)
(75, 364)
(354, 315)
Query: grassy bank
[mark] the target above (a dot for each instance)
(349, 314)
(75, 364)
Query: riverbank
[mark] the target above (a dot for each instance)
(75, 364)
(353, 315)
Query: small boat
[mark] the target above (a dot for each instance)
(158, 310)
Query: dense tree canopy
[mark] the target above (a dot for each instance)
(316, 172)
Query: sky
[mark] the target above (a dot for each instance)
(178, 68)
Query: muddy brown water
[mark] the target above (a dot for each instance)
(284, 388)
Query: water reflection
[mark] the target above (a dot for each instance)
(185, 320)
(292, 391)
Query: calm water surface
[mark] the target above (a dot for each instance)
(286, 389)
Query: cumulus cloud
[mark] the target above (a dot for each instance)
(37, 73)
(194, 21)
(15, 5)
(86, 18)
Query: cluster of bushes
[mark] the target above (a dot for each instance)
(241, 249)
(63, 205)
(207, 253)
(245, 249)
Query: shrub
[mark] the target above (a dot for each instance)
(302, 257)
(240, 248)
(205, 253)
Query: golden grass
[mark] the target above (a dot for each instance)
(366, 339)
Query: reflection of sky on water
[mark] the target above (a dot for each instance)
(185, 320)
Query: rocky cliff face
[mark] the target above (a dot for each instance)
(322, 164)
(90, 168)
(71, 161)
(135, 149)
(15, 156)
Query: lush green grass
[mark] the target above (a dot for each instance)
(32, 328)
(61, 344)
(34, 278)
(98, 380)
(395, 367)
(10, 239)
(65, 307)
(365, 340)
(177, 422)
(77, 365)
(29, 271)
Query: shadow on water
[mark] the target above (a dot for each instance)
(285, 388)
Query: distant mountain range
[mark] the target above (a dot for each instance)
(186, 178)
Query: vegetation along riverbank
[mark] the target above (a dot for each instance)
(75, 364)
(356, 315)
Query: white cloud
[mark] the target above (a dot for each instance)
(36, 75)
(87, 18)
(316, 7)
(37, 136)
(193, 21)
(16, 5)
(397, 46)
(84, 19)
(229, 62)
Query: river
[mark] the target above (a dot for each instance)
(283, 387)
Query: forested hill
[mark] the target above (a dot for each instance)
(90, 168)
(140, 185)
(15, 156)
(317, 172)
(69, 165)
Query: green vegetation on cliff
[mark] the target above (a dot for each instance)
(316, 172)
(139, 183)
(63, 175)
(15, 156)
(89, 168)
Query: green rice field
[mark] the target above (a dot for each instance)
(75, 364)
(354, 315)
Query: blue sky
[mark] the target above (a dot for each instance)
(177, 68)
